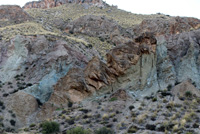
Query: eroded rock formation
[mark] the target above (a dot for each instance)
(77, 85)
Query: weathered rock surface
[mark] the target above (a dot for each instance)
(181, 90)
(24, 106)
(34, 64)
(141, 67)
(12, 15)
(167, 25)
(54, 3)
(127, 65)
(102, 27)
(182, 57)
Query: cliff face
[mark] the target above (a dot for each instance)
(51, 65)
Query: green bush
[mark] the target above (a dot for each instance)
(49, 127)
(154, 99)
(113, 99)
(70, 104)
(188, 94)
(131, 107)
(77, 130)
(104, 130)
(169, 87)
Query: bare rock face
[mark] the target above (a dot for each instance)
(54, 3)
(23, 105)
(178, 57)
(166, 26)
(12, 15)
(143, 66)
(79, 84)
(45, 62)
(34, 64)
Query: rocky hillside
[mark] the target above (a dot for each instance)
(43, 4)
(71, 65)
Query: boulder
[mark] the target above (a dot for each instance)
(23, 105)
(181, 90)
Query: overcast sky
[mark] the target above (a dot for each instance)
(190, 8)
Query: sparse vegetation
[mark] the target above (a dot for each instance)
(78, 130)
(105, 116)
(104, 130)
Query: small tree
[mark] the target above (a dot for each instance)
(50, 127)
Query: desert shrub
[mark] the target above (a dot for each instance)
(104, 130)
(188, 94)
(90, 46)
(13, 115)
(78, 130)
(1, 103)
(176, 83)
(26, 129)
(70, 104)
(154, 99)
(49, 127)
(131, 107)
(71, 32)
(169, 87)
(29, 84)
(12, 122)
(105, 117)
(188, 133)
(32, 125)
(113, 99)
(9, 83)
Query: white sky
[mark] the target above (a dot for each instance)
(190, 8)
